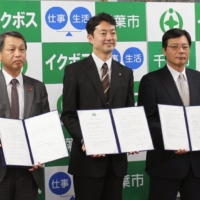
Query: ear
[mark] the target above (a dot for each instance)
(90, 38)
(164, 51)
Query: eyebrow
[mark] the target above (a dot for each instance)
(107, 30)
(15, 45)
(179, 43)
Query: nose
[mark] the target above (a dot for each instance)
(17, 52)
(108, 36)
(181, 50)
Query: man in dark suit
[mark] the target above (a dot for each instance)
(19, 183)
(171, 171)
(98, 177)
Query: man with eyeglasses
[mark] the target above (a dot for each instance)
(171, 171)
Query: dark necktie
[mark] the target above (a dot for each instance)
(184, 90)
(14, 100)
(105, 81)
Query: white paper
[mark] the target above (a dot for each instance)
(97, 132)
(173, 127)
(193, 117)
(14, 142)
(132, 129)
(46, 137)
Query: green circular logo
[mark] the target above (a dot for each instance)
(24, 68)
(59, 104)
(170, 19)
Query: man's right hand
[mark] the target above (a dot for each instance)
(83, 147)
(181, 151)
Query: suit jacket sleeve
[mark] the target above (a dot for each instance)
(147, 98)
(70, 105)
(44, 100)
(130, 97)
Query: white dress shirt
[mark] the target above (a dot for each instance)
(175, 74)
(99, 63)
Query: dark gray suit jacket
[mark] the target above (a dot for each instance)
(158, 87)
(83, 90)
(35, 103)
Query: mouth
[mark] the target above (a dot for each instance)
(108, 43)
(181, 58)
(17, 61)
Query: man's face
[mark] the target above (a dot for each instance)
(13, 55)
(104, 39)
(177, 52)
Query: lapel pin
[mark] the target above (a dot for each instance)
(120, 74)
(29, 89)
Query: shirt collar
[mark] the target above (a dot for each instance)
(175, 74)
(99, 62)
(8, 78)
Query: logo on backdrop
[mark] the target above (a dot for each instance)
(57, 18)
(60, 183)
(170, 19)
(116, 55)
(24, 69)
(133, 58)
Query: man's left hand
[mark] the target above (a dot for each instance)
(133, 152)
(39, 166)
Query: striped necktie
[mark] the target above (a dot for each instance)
(14, 100)
(105, 81)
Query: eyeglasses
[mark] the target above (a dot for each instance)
(177, 47)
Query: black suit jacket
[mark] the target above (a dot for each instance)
(158, 87)
(83, 90)
(35, 103)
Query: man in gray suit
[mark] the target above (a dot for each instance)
(19, 183)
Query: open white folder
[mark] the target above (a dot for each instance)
(37, 139)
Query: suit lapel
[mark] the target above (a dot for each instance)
(92, 73)
(193, 87)
(116, 75)
(170, 86)
(4, 100)
(28, 96)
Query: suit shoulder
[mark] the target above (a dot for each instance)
(195, 72)
(32, 80)
(121, 66)
(154, 74)
(77, 64)
(193, 75)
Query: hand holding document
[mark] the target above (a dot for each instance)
(37, 139)
(180, 127)
(115, 131)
